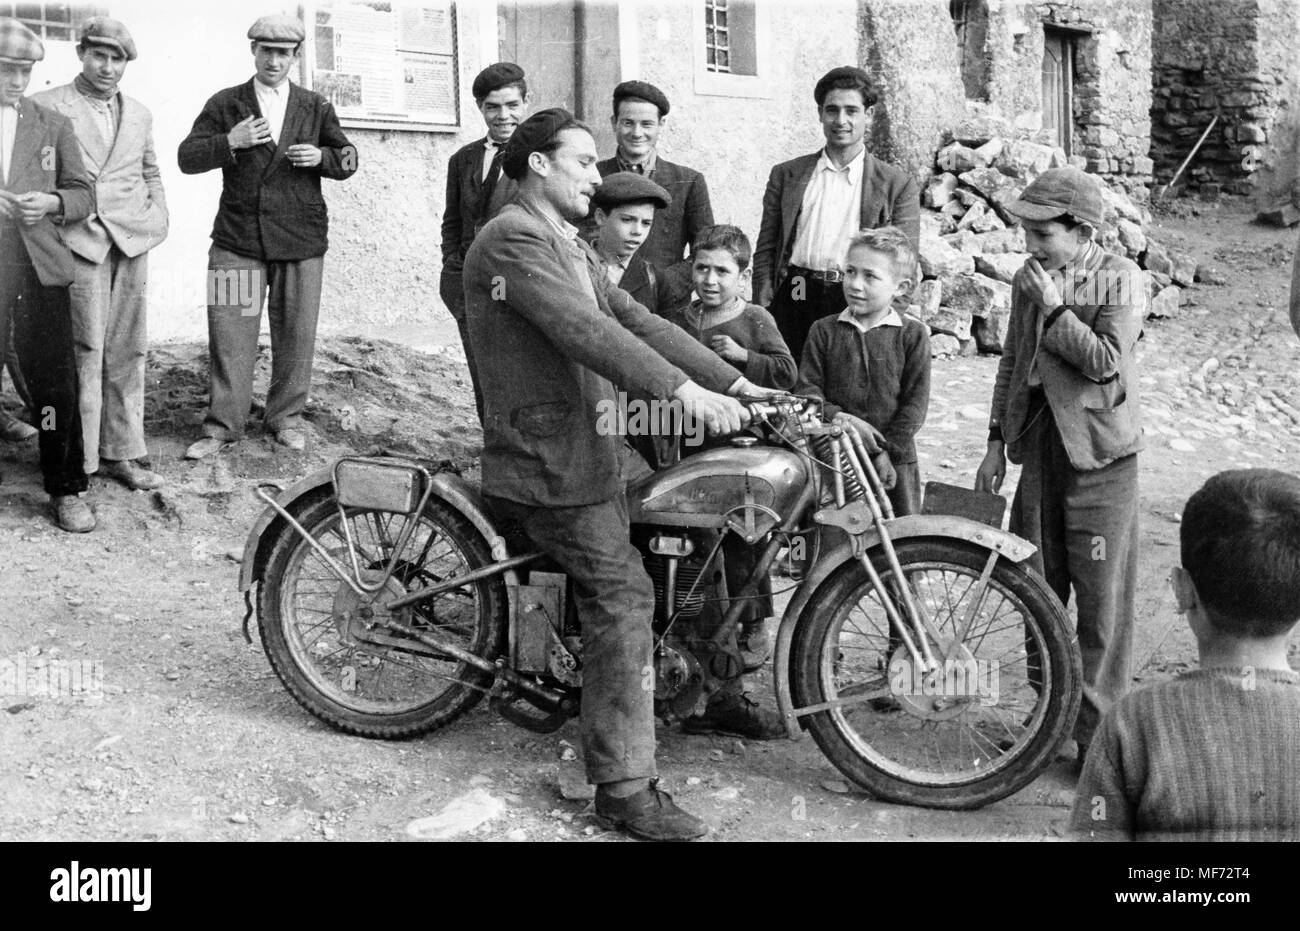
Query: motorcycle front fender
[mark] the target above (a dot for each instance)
(450, 488)
(941, 526)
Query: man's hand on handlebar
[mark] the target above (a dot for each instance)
(872, 438)
(719, 413)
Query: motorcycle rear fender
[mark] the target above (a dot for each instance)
(939, 526)
(450, 488)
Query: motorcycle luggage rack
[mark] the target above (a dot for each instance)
(392, 487)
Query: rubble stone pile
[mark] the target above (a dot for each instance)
(971, 247)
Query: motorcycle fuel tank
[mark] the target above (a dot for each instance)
(704, 489)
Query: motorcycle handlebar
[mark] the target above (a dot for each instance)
(777, 405)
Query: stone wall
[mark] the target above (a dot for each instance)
(1234, 58)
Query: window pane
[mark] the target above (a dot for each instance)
(722, 59)
(28, 11)
(722, 18)
(712, 56)
(58, 13)
(59, 33)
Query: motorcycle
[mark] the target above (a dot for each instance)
(932, 666)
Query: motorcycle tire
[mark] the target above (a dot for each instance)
(889, 744)
(299, 596)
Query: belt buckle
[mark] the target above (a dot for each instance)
(830, 276)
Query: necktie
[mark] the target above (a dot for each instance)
(494, 171)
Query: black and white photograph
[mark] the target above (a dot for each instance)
(585, 422)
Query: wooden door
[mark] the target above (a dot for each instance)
(542, 39)
(1058, 87)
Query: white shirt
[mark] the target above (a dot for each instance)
(615, 269)
(8, 130)
(272, 101)
(489, 152)
(831, 214)
(890, 319)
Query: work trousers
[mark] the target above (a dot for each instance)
(42, 333)
(615, 603)
(1085, 525)
(237, 285)
(109, 299)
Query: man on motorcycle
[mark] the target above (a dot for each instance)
(553, 338)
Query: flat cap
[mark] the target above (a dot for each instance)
(531, 135)
(641, 90)
(628, 187)
(1059, 191)
(279, 31)
(18, 44)
(100, 30)
(846, 74)
(494, 77)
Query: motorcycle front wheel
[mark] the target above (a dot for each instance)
(980, 728)
(323, 640)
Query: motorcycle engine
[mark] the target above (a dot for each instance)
(679, 682)
(687, 572)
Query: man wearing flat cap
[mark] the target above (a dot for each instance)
(640, 111)
(110, 250)
(273, 142)
(42, 186)
(815, 203)
(555, 340)
(476, 188)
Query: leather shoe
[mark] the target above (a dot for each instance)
(72, 514)
(293, 438)
(131, 474)
(15, 431)
(204, 447)
(649, 815)
(739, 716)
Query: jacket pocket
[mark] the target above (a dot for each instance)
(1111, 430)
(541, 420)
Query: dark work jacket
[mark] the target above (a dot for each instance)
(551, 348)
(889, 198)
(464, 214)
(269, 209)
(40, 133)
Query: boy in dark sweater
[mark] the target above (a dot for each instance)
(1215, 753)
(742, 333)
(871, 366)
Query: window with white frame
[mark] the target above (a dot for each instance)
(731, 39)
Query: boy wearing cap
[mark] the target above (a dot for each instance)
(553, 339)
(815, 203)
(476, 189)
(110, 250)
(42, 183)
(627, 205)
(640, 111)
(1065, 407)
(273, 142)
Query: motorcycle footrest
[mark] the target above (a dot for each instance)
(548, 724)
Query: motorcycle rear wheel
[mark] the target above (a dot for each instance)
(333, 667)
(939, 743)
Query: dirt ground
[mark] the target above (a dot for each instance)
(192, 737)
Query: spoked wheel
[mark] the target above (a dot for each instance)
(329, 646)
(980, 728)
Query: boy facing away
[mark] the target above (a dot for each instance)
(1214, 754)
(871, 365)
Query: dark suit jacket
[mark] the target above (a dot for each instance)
(1085, 361)
(269, 209)
(550, 349)
(41, 131)
(889, 198)
(464, 214)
